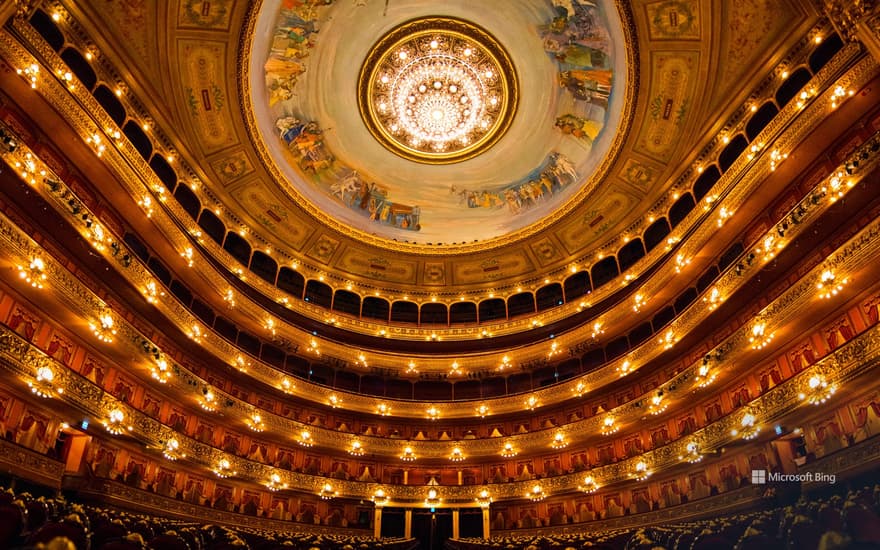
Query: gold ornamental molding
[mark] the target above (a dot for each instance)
(849, 258)
(858, 357)
(123, 159)
(624, 12)
(809, 208)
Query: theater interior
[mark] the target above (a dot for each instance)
(516, 274)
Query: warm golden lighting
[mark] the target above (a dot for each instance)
(749, 428)
(484, 499)
(531, 402)
(589, 486)
(334, 400)
(818, 390)
(692, 452)
(483, 411)
(208, 401)
(223, 469)
(641, 471)
(103, 328)
(559, 441)
(759, 337)
(380, 498)
(34, 273)
(287, 386)
(457, 455)
(152, 292)
(608, 426)
(408, 454)
(658, 404)
(42, 385)
(113, 423)
(437, 90)
(356, 449)
(638, 301)
(30, 73)
(305, 439)
(255, 423)
(829, 285)
(536, 494)
(508, 451)
(383, 409)
(433, 412)
(275, 484)
(433, 498)
(160, 371)
(171, 450)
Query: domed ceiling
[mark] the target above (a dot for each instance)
(610, 104)
(532, 94)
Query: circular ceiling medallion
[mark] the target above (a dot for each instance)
(437, 90)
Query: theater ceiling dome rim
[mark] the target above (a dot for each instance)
(591, 173)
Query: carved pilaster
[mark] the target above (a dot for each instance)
(856, 20)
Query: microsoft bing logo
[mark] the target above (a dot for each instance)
(759, 477)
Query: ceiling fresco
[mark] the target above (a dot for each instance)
(570, 74)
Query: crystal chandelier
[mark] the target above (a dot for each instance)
(437, 90)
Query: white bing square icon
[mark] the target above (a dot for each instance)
(759, 477)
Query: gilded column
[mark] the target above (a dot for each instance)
(455, 520)
(486, 522)
(407, 524)
(377, 522)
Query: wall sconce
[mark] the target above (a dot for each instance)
(748, 427)
(559, 441)
(759, 338)
(255, 423)
(356, 449)
(531, 403)
(484, 500)
(305, 439)
(483, 411)
(608, 426)
(327, 492)
(380, 498)
(638, 301)
(275, 484)
(433, 413)
(692, 453)
(457, 455)
(818, 390)
(30, 73)
(171, 450)
(828, 285)
(103, 328)
(383, 409)
(658, 405)
(208, 401)
(159, 370)
(334, 400)
(433, 498)
(536, 494)
(408, 454)
(35, 272)
(590, 486)
(114, 421)
(641, 471)
(223, 469)
(42, 385)
(287, 386)
(508, 451)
